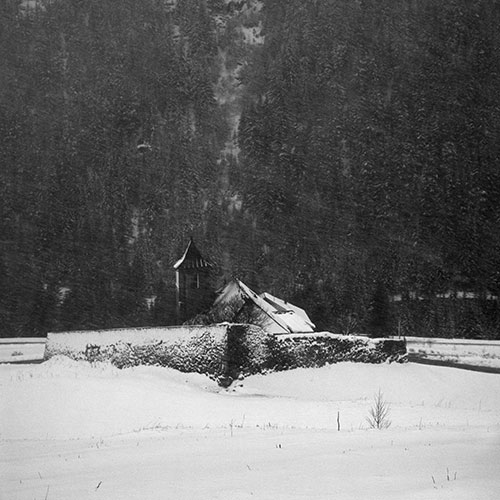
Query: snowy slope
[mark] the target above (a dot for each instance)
(72, 430)
(70, 399)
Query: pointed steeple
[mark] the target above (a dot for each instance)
(192, 258)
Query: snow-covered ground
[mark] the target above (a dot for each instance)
(73, 430)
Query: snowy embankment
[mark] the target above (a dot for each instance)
(22, 349)
(69, 429)
(472, 353)
(71, 399)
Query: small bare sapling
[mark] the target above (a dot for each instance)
(378, 416)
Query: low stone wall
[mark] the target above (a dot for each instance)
(319, 349)
(224, 351)
(250, 350)
(199, 349)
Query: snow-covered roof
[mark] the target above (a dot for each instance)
(192, 258)
(283, 307)
(279, 316)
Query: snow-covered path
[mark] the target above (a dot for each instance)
(69, 430)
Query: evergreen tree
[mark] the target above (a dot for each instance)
(379, 320)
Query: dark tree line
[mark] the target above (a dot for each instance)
(368, 162)
(371, 139)
(109, 140)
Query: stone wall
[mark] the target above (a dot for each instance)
(318, 349)
(187, 348)
(224, 351)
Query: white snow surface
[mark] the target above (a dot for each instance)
(70, 429)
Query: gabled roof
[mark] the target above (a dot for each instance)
(192, 258)
(283, 307)
(280, 316)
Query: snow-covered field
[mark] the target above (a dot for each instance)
(71, 430)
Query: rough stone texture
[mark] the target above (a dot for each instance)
(296, 350)
(251, 350)
(191, 348)
(225, 351)
(247, 350)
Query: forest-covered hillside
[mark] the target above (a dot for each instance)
(336, 153)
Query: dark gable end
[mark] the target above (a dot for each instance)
(192, 258)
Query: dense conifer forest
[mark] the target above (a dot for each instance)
(341, 154)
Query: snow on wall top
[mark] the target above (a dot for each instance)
(78, 340)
